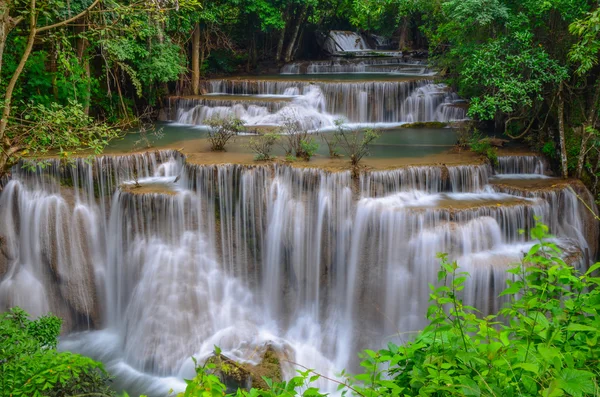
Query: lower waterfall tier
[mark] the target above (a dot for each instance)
(156, 259)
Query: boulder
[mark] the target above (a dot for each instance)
(245, 375)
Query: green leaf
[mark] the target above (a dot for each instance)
(581, 327)
(576, 382)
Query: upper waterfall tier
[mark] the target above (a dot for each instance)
(317, 104)
(400, 66)
(171, 258)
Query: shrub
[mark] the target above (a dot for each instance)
(309, 147)
(483, 147)
(354, 143)
(220, 131)
(295, 139)
(31, 366)
(545, 343)
(262, 146)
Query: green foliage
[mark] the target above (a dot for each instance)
(547, 345)
(207, 384)
(308, 148)
(262, 146)
(31, 366)
(584, 53)
(59, 129)
(482, 146)
(354, 143)
(509, 75)
(222, 130)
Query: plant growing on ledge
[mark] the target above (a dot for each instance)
(308, 148)
(262, 146)
(355, 143)
(483, 147)
(332, 144)
(222, 130)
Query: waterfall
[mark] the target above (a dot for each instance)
(344, 41)
(158, 259)
(318, 104)
(521, 165)
(399, 66)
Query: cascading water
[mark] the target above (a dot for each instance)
(318, 104)
(156, 259)
(344, 41)
(400, 66)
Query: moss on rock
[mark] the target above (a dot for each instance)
(425, 124)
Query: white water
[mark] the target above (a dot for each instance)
(345, 41)
(392, 66)
(316, 105)
(240, 256)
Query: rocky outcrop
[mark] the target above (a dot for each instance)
(245, 375)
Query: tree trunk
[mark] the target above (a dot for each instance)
(561, 132)
(590, 122)
(196, 60)
(295, 31)
(17, 73)
(4, 27)
(297, 45)
(281, 41)
(404, 41)
(280, 45)
(582, 151)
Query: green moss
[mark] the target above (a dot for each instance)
(425, 124)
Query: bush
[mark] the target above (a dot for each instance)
(544, 344)
(354, 143)
(31, 366)
(262, 145)
(483, 147)
(220, 131)
(297, 141)
(308, 148)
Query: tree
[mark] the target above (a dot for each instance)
(139, 49)
(584, 55)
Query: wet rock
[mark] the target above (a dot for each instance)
(425, 124)
(244, 375)
(3, 257)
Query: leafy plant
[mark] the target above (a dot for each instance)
(262, 145)
(31, 366)
(293, 135)
(544, 343)
(355, 143)
(482, 146)
(221, 131)
(309, 147)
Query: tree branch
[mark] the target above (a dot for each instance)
(66, 21)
